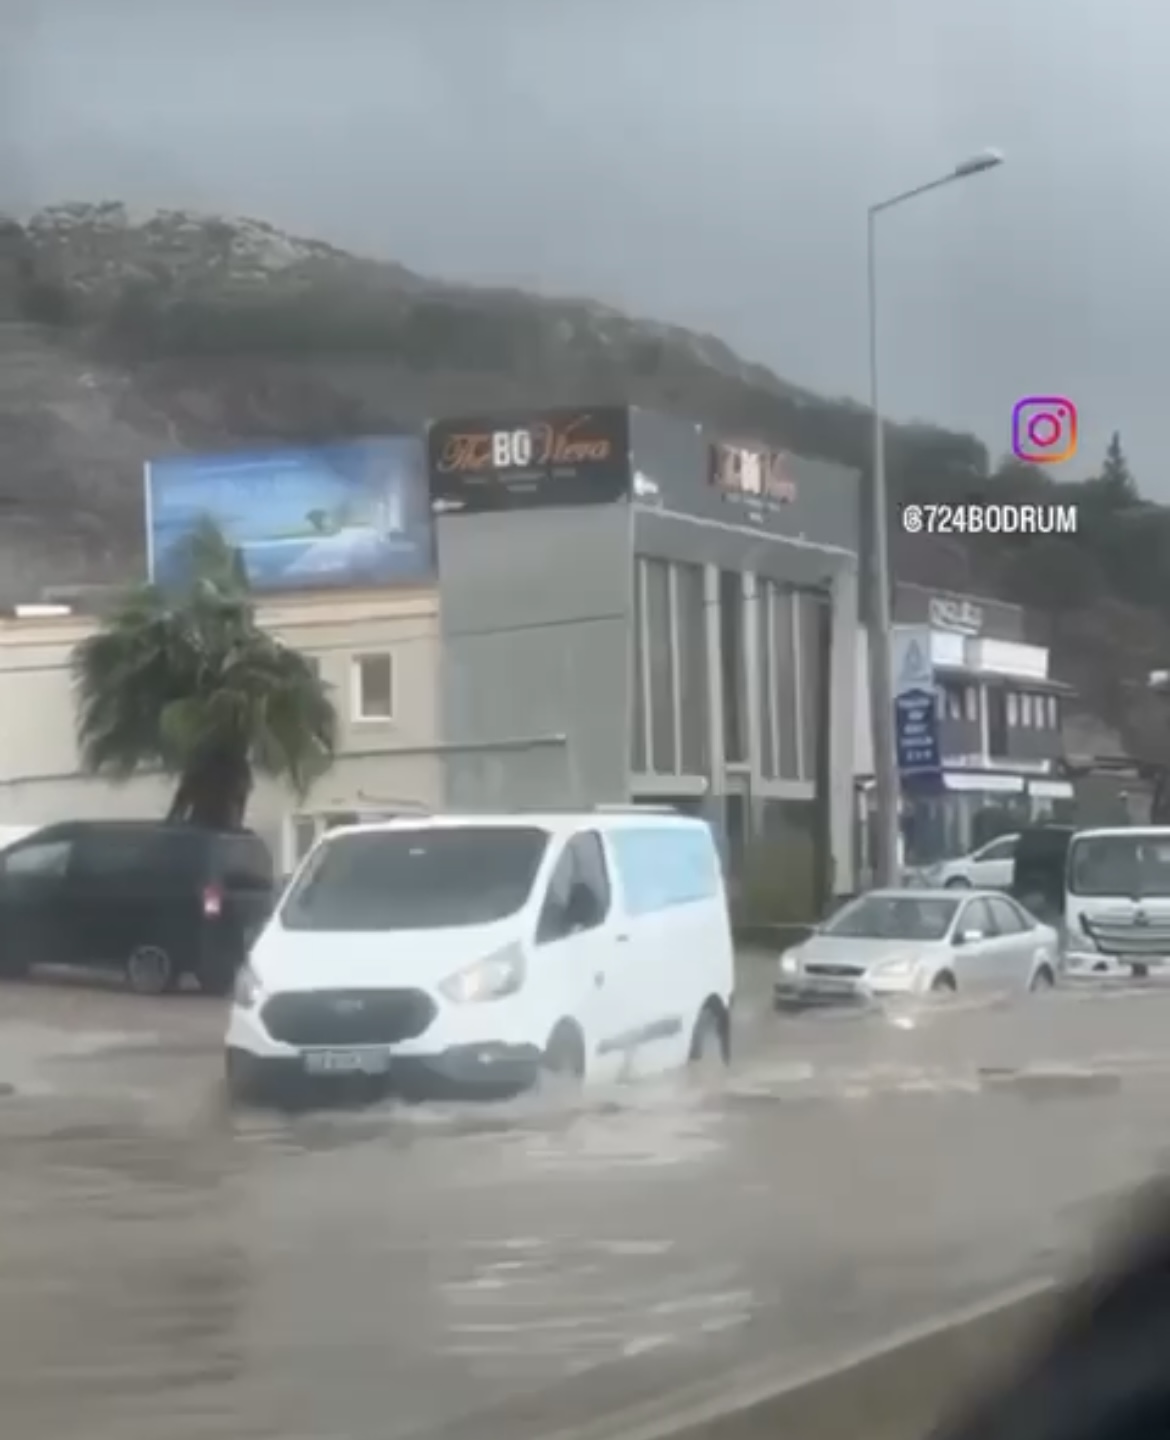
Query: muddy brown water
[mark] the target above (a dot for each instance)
(171, 1271)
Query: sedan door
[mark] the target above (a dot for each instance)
(977, 962)
(991, 868)
(1017, 942)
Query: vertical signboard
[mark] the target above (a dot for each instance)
(520, 461)
(338, 516)
(916, 736)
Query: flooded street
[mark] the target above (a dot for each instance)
(173, 1272)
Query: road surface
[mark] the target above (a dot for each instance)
(172, 1272)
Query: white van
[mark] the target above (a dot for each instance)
(1117, 900)
(456, 953)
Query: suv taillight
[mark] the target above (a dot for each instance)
(212, 901)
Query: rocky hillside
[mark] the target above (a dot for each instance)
(124, 337)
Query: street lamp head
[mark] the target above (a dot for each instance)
(985, 160)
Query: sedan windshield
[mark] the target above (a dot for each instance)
(1126, 865)
(417, 879)
(894, 917)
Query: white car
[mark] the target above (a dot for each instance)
(912, 942)
(989, 868)
(480, 952)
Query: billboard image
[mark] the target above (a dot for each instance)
(335, 516)
(521, 460)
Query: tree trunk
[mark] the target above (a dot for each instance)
(213, 790)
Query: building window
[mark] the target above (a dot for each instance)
(373, 687)
(1053, 712)
(1013, 708)
(1025, 711)
(733, 669)
(690, 625)
(971, 703)
(812, 631)
(954, 698)
(640, 699)
(660, 659)
(779, 681)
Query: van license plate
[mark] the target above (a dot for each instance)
(347, 1062)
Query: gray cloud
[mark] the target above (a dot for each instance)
(707, 162)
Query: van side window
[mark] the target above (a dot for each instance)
(122, 853)
(45, 857)
(578, 891)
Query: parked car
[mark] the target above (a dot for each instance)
(158, 901)
(479, 953)
(906, 942)
(989, 868)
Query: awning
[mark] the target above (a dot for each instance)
(983, 781)
(1050, 789)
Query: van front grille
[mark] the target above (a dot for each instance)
(348, 1017)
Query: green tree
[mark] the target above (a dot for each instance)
(189, 683)
(1115, 482)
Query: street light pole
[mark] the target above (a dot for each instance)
(881, 674)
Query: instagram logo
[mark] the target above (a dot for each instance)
(1044, 429)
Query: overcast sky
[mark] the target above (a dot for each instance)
(707, 162)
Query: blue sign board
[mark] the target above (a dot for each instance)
(339, 516)
(916, 733)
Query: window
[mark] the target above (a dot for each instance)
(954, 695)
(1013, 708)
(48, 858)
(733, 665)
(1002, 849)
(1053, 713)
(639, 697)
(976, 916)
(1008, 920)
(244, 862)
(663, 760)
(1026, 710)
(691, 624)
(417, 878)
(373, 687)
(813, 634)
(971, 702)
(778, 627)
(578, 890)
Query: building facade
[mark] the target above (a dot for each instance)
(999, 718)
(378, 652)
(634, 608)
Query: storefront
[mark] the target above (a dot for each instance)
(648, 611)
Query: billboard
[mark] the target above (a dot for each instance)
(525, 460)
(336, 516)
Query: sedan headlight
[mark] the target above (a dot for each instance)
(895, 969)
(248, 988)
(491, 978)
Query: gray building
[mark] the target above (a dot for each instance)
(1000, 717)
(635, 609)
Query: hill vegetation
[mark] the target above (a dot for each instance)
(122, 338)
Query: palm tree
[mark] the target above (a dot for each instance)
(189, 683)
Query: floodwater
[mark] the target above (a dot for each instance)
(171, 1271)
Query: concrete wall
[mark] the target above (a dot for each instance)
(536, 632)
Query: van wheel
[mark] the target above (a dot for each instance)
(563, 1063)
(943, 983)
(709, 1039)
(151, 971)
(957, 882)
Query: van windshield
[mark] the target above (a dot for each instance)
(1129, 865)
(418, 879)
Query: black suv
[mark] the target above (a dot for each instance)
(157, 900)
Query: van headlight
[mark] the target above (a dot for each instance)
(790, 963)
(491, 978)
(248, 989)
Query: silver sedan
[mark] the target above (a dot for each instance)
(891, 943)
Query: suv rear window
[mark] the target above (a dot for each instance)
(243, 862)
(416, 879)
